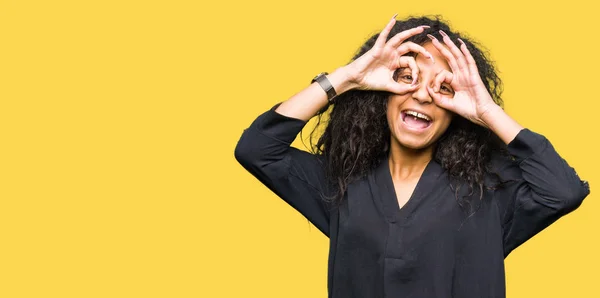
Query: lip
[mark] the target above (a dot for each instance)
(412, 128)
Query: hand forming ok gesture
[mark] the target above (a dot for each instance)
(471, 98)
(374, 70)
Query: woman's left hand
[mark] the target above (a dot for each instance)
(471, 98)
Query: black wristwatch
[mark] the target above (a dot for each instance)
(325, 84)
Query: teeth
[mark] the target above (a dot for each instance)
(418, 115)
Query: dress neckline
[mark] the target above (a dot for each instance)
(382, 188)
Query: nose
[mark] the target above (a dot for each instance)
(421, 94)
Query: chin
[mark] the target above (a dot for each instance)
(412, 143)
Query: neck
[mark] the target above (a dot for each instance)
(406, 163)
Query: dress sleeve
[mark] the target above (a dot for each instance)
(294, 175)
(543, 189)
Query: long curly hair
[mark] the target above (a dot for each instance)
(356, 137)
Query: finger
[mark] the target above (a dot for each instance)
(409, 62)
(380, 42)
(404, 35)
(399, 88)
(458, 55)
(441, 100)
(445, 52)
(413, 47)
(470, 60)
(442, 77)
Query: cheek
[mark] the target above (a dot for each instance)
(391, 113)
(446, 119)
(393, 106)
(391, 119)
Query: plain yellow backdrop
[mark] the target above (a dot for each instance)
(118, 121)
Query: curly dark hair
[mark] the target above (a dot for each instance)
(357, 138)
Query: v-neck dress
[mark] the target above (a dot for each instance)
(431, 247)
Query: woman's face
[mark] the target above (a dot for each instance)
(415, 121)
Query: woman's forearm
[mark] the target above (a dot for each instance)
(306, 103)
(504, 126)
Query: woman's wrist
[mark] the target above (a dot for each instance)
(498, 121)
(342, 79)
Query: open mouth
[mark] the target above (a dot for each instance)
(415, 119)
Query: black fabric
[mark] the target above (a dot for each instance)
(430, 247)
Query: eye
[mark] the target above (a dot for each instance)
(404, 75)
(446, 89)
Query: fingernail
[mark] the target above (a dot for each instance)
(394, 17)
(431, 57)
(462, 42)
(431, 37)
(425, 27)
(443, 33)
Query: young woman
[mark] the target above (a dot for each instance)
(421, 180)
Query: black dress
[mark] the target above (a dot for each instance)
(430, 247)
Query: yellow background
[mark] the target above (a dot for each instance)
(118, 121)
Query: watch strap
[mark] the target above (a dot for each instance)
(326, 85)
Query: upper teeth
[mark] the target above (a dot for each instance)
(418, 115)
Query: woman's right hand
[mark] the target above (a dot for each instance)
(375, 69)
